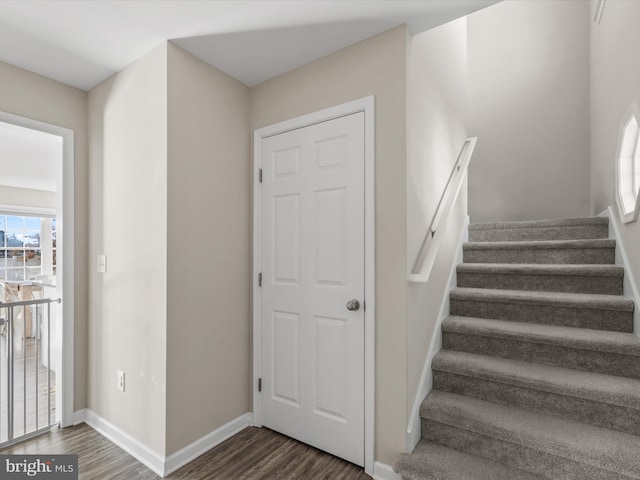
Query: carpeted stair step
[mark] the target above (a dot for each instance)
(610, 353)
(430, 461)
(598, 279)
(599, 312)
(545, 445)
(602, 400)
(562, 251)
(539, 372)
(568, 229)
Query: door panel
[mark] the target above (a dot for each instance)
(330, 384)
(286, 358)
(313, 263)
(331, 236)
(286, 239)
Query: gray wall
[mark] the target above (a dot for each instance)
(128, 304)
(529, 108)
(615, 85)
(208, 250)
(170, 209)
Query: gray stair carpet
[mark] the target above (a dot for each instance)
(539, 372)
(547, 251)
(601, 312)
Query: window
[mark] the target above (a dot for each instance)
(628, 169)
(27, 247)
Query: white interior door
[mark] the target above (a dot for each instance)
(312, 250)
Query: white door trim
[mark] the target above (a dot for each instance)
(366, 105)
(66, 287)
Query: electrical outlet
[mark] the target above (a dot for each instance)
(121, 380)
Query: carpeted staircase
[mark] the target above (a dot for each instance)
(539, 373)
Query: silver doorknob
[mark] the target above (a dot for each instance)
(353, 305)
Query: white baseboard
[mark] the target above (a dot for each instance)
(150, 458)
(382, 471)
(200, 446)
(156, 462)
(426, 377)
(630, 287)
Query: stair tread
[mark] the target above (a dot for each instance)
(569, 337)
(585, 300)
(566, 222)
(430, 461)
(609, 389)
(587, 444)
(541, 244)
(595, 270)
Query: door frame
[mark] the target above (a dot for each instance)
(66, 232)
(366, 105)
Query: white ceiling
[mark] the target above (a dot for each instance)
(81, 43)
(28, 158)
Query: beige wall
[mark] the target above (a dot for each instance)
(29, 95)
(27, 197)
(208, 296)
(615, 85)
(436, 131)
(529, 108)
(128, 223)
(377, 67)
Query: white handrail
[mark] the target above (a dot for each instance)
(445, 204)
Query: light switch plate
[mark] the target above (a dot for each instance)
(102, 264)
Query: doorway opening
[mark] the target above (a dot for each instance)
(37, 263)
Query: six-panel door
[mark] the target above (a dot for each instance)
(312, 254)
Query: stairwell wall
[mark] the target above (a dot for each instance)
(436, 131)
(615, 85)
(529, 108)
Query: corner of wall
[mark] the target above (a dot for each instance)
(127, 318)
(208, 187)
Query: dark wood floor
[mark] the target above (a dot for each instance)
(252, 454)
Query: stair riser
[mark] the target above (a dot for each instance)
(578, 232)
(518, 456)
(613, 320)
(604, 285)
(573, 256)
(567, 357)
(583, 410)
(430, 461)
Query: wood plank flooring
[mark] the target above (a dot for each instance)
(252, 454)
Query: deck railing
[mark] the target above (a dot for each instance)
(26, 372)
